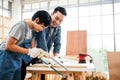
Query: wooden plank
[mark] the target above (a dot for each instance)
(57, 66)
(114, 65)
(76, 42)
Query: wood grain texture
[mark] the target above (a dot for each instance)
(114, 65)
(76, 42)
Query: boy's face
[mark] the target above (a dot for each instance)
(38, 27)
(57, 18)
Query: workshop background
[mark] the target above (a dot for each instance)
(99, 18)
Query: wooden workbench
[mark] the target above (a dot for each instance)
(76, 71)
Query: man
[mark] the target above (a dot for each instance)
(52, 34)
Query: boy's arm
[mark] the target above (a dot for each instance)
(32, 44)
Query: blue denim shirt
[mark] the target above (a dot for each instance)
(55, 40)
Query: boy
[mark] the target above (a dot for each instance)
(20, 42)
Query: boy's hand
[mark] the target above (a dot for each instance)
(34, 52)
(43, 53)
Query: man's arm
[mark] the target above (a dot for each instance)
(40, 40)
(55, 54)
(57, 42)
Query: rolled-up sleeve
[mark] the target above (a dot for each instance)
(57, 41)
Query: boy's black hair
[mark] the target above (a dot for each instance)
(60, 9)
(43, 16)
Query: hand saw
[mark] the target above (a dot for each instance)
(64, 77)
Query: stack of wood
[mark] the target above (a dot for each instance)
(96, 76)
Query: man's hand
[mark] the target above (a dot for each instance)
(55, 54)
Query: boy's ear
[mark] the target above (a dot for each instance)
(37, 20)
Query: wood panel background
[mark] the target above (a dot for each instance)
(76, 42)
(114, 65)
(4, 27)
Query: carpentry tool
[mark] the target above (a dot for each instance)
(82, 57)
(47, 62)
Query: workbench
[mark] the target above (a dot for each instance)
(76, 70)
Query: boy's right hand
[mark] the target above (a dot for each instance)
(43, 53)
(33, 52)
(37, 52)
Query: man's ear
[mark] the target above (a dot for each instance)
(52, 13)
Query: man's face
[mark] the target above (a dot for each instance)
(57, 18)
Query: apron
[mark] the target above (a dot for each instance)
(10, 62)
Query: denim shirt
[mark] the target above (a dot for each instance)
(55, 40)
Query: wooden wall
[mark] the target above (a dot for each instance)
(76, 42)
(4, 27)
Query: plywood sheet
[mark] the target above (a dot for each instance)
(76, 42)
(114, 65)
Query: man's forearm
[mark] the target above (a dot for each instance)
(55, 54)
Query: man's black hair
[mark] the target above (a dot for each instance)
(43, 16)
(60, 9)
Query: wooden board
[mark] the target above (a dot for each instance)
(66, 65)
(114, 65)
(76, 42)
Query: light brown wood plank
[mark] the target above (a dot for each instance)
(114, 65)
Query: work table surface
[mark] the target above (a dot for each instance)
(74, 68)
(71, 65)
